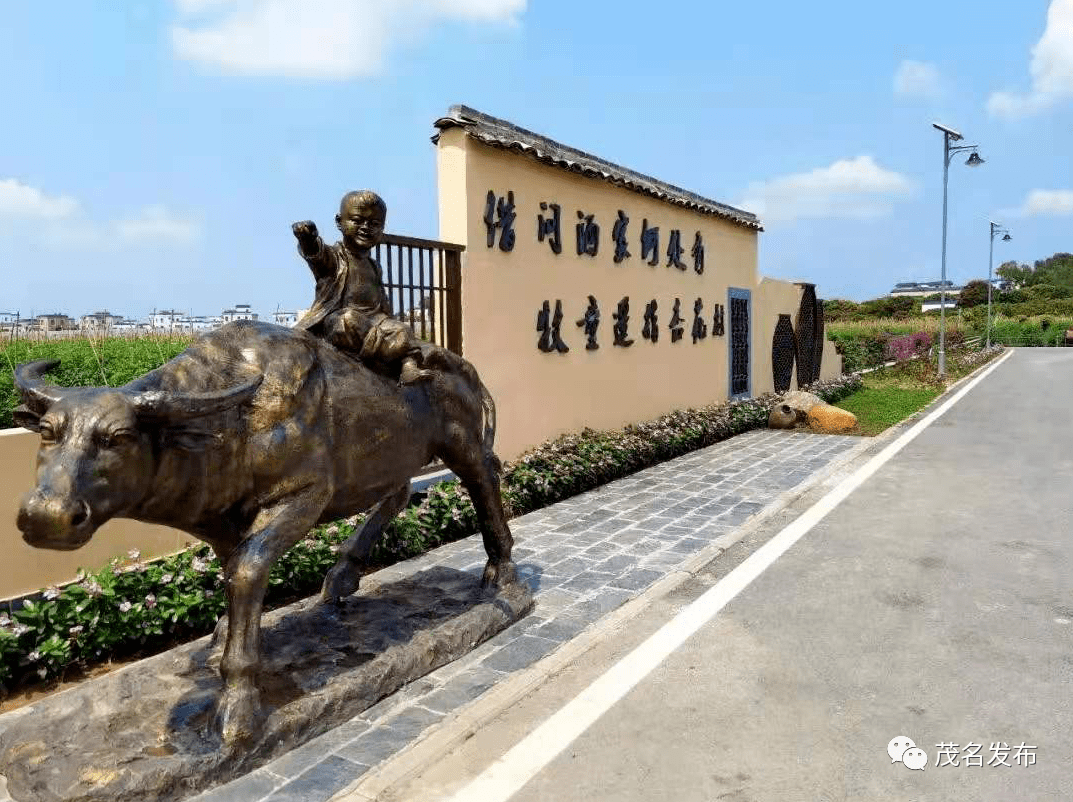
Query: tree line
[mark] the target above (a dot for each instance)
(1045, 287)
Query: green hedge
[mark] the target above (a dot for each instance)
(1040, 332)
(131, 606)
(85, 362)
(865, 348)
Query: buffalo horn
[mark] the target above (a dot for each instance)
(36, 394)
(182, 406)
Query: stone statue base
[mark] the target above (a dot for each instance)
(142, 732)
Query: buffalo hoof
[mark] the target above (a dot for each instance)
(237, 716)
(496, 575)
(341, 581)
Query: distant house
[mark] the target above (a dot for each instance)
(166, 319)
(422, 318)
(99, 321)
(56, 321)
(934, 306)
(194, 323)
(125, 326)
(920, 289)
(285, 318)
(239, 312)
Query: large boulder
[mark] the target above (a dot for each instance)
(801, 401)
(827, 419)
(792, 410)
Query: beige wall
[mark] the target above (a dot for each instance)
(832, 361)
(541, 395)
(24, 569)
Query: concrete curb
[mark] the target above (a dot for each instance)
(462, 724)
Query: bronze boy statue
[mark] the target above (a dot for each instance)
(351, 309)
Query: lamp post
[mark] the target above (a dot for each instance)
(974, 160)
(996, 229)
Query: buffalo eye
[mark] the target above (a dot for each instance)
(115, 438)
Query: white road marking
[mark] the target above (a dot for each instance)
(521, 763)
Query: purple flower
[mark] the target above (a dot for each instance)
(150, 601)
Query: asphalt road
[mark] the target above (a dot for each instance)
(936, 602)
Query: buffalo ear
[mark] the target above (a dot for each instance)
(187, 438)
(27, 418)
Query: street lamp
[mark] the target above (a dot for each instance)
(996, 229)
(974, 160)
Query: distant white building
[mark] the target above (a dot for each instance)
(285, 318)
(56, 321)
(124, 326)
(194, 323)
(239, 312)
(920, 289)
(166, 319)
(934, 306)
(99, 321)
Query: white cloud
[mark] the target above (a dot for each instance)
(917, 79)
(1047, 203)
(155, 223)
(854, 188)
(20, 201)
(1051, 68)
(316, 38)
(58, 221)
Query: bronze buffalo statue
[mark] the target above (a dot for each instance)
(246, 440)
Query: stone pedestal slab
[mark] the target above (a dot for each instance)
(143, 732)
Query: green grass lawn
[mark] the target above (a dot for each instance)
(880, 404)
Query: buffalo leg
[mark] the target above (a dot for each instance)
(482, 481)
(343, 578)
(274, 531)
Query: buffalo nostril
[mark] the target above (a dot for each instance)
(81, 515)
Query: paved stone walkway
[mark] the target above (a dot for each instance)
(583, 557)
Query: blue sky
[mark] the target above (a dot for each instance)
(155, 154)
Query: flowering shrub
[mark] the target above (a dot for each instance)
(967, 360)
(132, 606)
(908, 346)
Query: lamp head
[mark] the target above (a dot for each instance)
(1006, 238)
(974, 160)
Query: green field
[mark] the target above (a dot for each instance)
(85, 361)
(878, 406)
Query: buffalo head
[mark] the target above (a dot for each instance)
(100, 447)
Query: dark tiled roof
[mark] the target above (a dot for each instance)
(501, 134)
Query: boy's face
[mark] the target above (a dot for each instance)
(360, 223)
